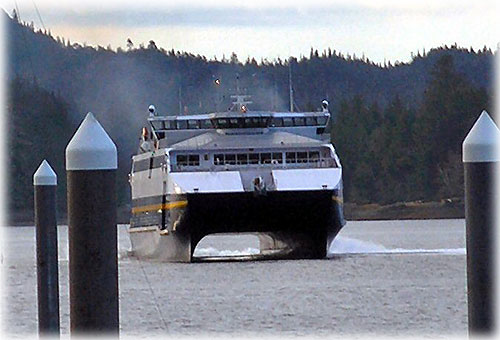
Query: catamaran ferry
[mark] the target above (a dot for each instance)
(274, 174)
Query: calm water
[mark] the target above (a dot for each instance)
(400, 278)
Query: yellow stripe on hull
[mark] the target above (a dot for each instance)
(155, 207)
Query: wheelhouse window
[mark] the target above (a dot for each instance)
(219, 159)
(277, 158)
(222, 123)
(314, 156)
(182, 160)
(234, 123)
(322, 120)
(230, 159)
(158, 125)
(242, 158)
(170, 124)
(193, 160)
(301, 157)
(253, 158)
(265, 158)
(193, 124)
(291, 157)
(311, 121)
(299, 121)
(205, 124)
(255, 122)
(187, 160)
(277, 122)
(287, 121)
(182, 124)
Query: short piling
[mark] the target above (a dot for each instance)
(91, 163)
(480, 158)
(45, 184)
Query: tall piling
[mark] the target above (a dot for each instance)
(45, 184)
(91, 163)
(480, 158)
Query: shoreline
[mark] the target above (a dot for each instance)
(416, 210)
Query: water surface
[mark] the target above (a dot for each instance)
(382, 277)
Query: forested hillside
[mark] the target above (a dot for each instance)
(398, 127)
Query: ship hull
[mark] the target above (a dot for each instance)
(289, 224)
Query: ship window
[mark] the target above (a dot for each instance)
(160, 135)
(247, 122)
(194, 160)
(206, 124)
(301, 157)
(310, 121)
(230, 159)
(141, 165)
(287, 122)
(222, 123)
(322, 120)
(277, 157)
(242, 158)
(299, 121)
(182, 160)
(265, 158)
(170, 125)
(233, 123)
(253, 158)
(193, 124)
(314, 156)
(157, 125)
(205, 156)
(181, 124)
(277, 122)
(291, 157)
(219, 159)
(254, 122)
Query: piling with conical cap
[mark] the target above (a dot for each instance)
(91, 163)
(480, 158)
(45, 184)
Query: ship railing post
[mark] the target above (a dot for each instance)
(480, 158)
(91, 164)
(45, 184)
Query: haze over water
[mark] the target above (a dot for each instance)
(399, 278)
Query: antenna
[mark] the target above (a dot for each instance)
(180, 100)
(237, 84)
(290, 82)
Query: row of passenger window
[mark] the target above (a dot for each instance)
(249, 158)
(148, 163)
(238, 123)
(232, 159)
(188, 160)
(267, 158)
(252, 158)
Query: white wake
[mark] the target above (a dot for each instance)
(211, 251)
(340, 246)
(345, 245)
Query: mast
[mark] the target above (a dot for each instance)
(290, 82)
(180, 100)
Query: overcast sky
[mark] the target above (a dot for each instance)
(379, 29)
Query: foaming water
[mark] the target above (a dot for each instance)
(211, 251)
(340, 246)
(344, 245)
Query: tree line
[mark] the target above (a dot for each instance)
(403, 153)
(397, 127)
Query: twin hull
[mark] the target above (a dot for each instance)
(298, 218)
